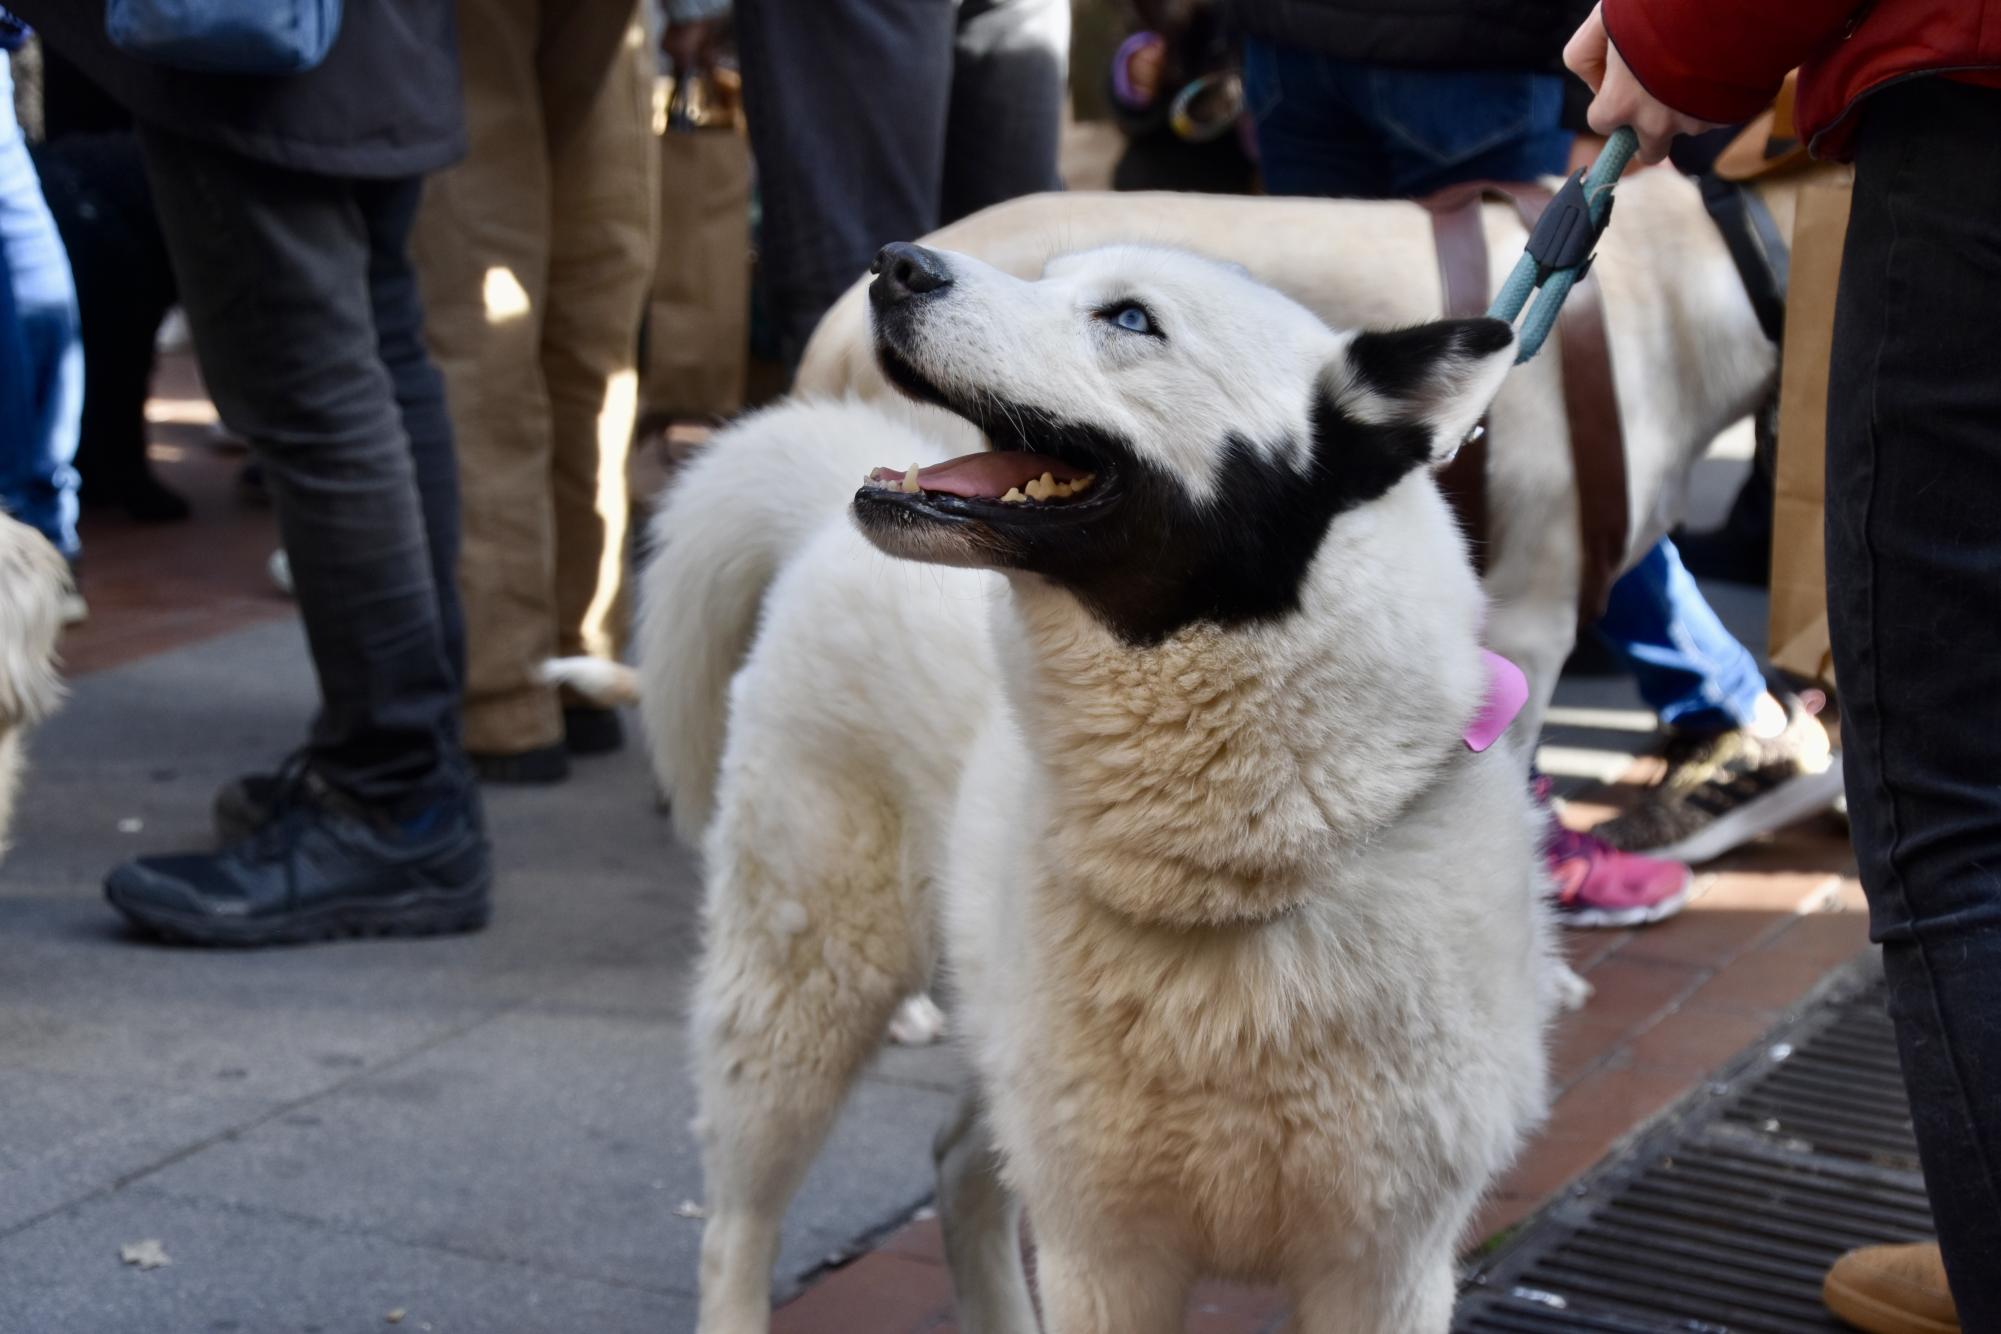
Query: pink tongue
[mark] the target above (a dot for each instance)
(989, 475)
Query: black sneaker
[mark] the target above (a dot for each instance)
(243, 804)
(320, 867)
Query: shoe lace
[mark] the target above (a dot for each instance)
(291, 794)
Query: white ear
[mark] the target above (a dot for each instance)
(1437, 378)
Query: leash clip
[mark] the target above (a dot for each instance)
(1565, 235)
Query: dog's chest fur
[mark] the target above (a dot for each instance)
(1199, 996)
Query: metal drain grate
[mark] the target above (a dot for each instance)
(1725, 1217)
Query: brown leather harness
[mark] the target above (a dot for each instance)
(1590, 398)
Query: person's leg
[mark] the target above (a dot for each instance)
(1009, 83)
(1739, 762)
(847, 102)
(390, 209)
(1914, 584)
(1691, 671)
(1310, 139)
(274, 275)
(376, 829)
(96, 188)
(38, 485)
(603, 189)
(481, 249)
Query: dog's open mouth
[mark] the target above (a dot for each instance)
(1006, 477)
(1031, 469)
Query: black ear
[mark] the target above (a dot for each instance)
(1424, 388)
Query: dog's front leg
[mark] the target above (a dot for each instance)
(1102, 1280)
(1378, 1294)
(981, 1219)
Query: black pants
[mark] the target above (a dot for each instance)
(1914, 585)
(308, 325)
(880, 120)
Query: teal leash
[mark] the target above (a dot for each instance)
(1559, 251)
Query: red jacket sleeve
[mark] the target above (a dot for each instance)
(1722, 60)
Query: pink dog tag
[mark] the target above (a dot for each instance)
(1507, 692)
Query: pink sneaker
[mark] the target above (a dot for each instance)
(1599, 886)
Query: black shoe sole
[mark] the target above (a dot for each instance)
(549, 764)
(418, 913)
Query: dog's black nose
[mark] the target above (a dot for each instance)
(904, 270)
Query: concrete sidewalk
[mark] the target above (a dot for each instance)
(488, 1133)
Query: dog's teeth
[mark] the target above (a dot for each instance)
(1082, 482)
(1014, 496)
(910, 485)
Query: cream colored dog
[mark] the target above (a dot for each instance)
(33, 580)
(1147, 715)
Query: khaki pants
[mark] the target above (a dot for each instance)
(535, 254)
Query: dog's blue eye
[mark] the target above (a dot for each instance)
(1132, 318)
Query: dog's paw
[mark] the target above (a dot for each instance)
(918, 1022)
(1571, 990)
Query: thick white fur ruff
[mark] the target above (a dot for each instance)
(33, 580)
(1250, 951)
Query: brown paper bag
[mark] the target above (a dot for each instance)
(1799, 642)
(697, 341)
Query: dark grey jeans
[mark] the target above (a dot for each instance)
(309, 329)
(880, 120)
(1914, 602)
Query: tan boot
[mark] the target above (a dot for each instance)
(1892, 1290)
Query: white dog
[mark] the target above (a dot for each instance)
(33, 580)
(1149, 717)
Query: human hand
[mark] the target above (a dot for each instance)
(1619, 99)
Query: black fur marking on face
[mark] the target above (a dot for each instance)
(1146, 557)
(1163, 561)
(1153, 560)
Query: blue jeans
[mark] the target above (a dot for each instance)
(1690, 670)
(41, 346)
(1334, 127)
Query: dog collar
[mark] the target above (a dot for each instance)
(1507, 691)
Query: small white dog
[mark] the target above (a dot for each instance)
(1149, 717)
(33, 582)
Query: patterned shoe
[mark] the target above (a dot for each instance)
(1722, 791)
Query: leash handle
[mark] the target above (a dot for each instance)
(1531, 273)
